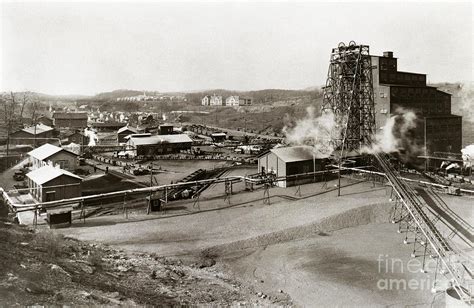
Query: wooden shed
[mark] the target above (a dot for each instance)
(60, 217)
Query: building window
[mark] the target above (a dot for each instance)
(63, 164)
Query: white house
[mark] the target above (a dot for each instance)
(216, 100)
(206, 100)
(232, 101)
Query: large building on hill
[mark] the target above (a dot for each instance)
(394, 91)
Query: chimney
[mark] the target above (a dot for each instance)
(388, 54)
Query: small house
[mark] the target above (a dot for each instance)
(291, 163)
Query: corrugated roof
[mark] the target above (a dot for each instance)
(296, 153)
(125, 128)
(70, 115)
(47, 173)
(45, 151)
(179, 138)
(40, 128)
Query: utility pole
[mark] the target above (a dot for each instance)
(151, 174)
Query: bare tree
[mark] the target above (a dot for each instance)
(9, 108)
(25, 100)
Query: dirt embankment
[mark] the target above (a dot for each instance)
(373, 213)
(45, 268)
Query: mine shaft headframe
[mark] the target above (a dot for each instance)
(348, 94)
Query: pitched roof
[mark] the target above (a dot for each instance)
(40, 128)
(296, 153)
(47, 173)
(178, 138)
(70, 115)
(125, 128)
(46, 150)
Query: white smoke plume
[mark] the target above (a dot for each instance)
(397, 136)
(314, 131)
(468, 155)
(89, 132)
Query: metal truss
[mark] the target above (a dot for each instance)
(348, 94)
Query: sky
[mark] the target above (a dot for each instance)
(92, 47)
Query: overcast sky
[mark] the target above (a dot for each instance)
(91, 47)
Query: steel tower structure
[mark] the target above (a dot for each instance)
(349, 95)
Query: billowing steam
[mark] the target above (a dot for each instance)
(91, 134)
(468, 156)
(397, 136)
(314, 131)
(164, 117)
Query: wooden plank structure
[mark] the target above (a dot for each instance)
(60, 217)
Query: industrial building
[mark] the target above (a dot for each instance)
(70, 119)
(78, 137)
(45, 120)
(50, 183)
(157, 145)
(34, 135)
(289, 161)
(124, 132)
(437, 129)
(48, 153)
(109, 126)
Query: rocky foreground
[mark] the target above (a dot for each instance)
(40, 267)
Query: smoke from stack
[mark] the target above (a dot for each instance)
(90, 133)
(468, 155)
(315, 131)
(397, 136)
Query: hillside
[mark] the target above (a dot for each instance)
(43, 268)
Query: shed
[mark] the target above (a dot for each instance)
(52, 183)
(124, 132)
(160, 144)
(34, 135)
(59, 217)
(218, 137)
(70, 119)
(165, 129)
(154, 203)
(287, 162)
